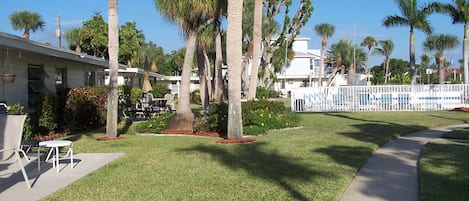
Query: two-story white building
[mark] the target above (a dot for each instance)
(303, 70)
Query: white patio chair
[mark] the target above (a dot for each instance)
(11, 132)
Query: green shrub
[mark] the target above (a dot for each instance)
(258, 117)
(263, 93)
(18, 109)
(159, 90)
(254, 130)
(195, 97)
(217, 119)
(45, 115)
(86, 108)
(154, 125)
(276, 107)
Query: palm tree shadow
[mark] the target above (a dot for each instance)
(271, 166)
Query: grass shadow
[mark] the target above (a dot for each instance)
(269, 165)
(337, 153)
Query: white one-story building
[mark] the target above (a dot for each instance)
(41, 69)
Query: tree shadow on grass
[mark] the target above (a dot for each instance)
(378, 132)
(458, 119)
(268, 165)
(350, 156)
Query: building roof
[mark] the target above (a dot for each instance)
(12, 42)
(140, 72)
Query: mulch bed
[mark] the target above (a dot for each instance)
(462, 109)
(236, 141)
(210, 134)
(106, 138)
(189, 132)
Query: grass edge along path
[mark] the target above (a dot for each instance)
(316, 162)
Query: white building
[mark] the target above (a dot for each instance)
(303, 70)
(41, 69)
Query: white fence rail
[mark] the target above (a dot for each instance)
(380, 98)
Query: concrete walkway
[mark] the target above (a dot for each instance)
(47, 181)
(391, 173)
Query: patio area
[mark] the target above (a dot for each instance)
(47, 181)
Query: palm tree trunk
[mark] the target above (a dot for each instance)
(218, 69)
(321, 61)
(351, 75)
(234, 52)
(386, 70)
(202, 80)
(184, 117)
(412, 57)
(466, 55)
(113, 44)
(208, 75)
(441, 68)
(256, 52)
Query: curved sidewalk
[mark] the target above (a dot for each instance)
(391, 173)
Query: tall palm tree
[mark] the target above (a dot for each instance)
(74, 39)
(459, 12)
(113, 44)
(368, 42)
(234, 53)
(325, 30)
(440, 43)
(387, 46)
(27, 21)
(191, 16)
(256, 52)
(415, 17)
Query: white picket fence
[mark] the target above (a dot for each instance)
(380, 98)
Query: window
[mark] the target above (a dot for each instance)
(90, 78)
(282, 84)
(311, 64)
(60, 78)
(100, 78)
(35, 83)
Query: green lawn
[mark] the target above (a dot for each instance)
(316, 162)
(444, 168)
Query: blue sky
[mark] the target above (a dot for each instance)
(354, 20)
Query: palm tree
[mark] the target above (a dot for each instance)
(113, 44)
(368, 42)
(256, 52)
(27, 21)
(387, 46)
(191, 16)
(459, 12)
(74, 39)
(415, 17)
(234, 53)
(440, 43)
(325, 30)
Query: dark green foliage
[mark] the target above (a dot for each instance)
(45, 116)
(28, 133)
(195, 97)
(154, 125)
(217, 119)
(85, 107)
(263, 93)
(255, 130)
(258, 117)
(159, 90)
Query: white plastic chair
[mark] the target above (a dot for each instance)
(11, 132)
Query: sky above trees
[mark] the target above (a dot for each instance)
(354, 20)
